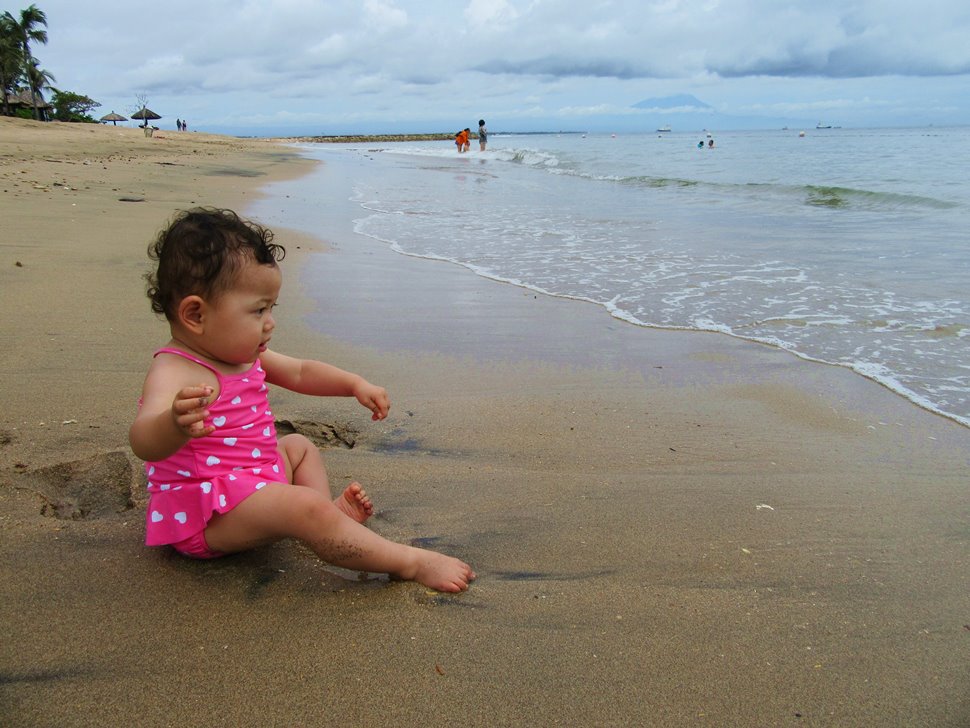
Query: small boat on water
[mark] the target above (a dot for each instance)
(664, 128)
(820, 125)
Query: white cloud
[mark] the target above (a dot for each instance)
(332, 49)
(384, 16)
(490, 14)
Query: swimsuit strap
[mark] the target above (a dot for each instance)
(186, 355)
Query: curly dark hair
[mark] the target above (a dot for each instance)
(199, 254)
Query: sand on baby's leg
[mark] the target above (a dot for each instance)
(305, 466)
(281, 511)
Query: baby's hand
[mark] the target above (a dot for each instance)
(189, 410)
(373, 398)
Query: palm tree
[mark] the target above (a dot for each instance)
(39, 80)
(10, 65)
(26, 31)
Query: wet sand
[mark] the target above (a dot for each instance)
(669, 528)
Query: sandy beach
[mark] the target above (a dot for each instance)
(669, 528)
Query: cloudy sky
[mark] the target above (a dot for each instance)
(345, 66)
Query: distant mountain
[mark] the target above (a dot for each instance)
(684, 113)
(681, 102)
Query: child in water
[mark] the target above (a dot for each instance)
(218, 481)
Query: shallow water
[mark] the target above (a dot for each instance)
(844, 246)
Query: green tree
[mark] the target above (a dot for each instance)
(27, 30)
(69, 106)
(11, 65)
(39, 79)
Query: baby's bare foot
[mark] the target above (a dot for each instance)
(439, 572)
(355, 502)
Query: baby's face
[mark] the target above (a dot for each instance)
(239, 323)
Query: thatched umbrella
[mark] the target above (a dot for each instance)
(146, 114)
(114, 118)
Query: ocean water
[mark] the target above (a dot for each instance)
(850, 247)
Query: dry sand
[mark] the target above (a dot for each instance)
(669, 528)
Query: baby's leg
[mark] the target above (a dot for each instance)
(280, 511)
(304, 466)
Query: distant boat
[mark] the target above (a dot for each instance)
(820, 125)
(664, 128)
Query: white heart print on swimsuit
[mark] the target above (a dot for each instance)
(213, 474)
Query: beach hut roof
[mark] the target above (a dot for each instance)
(22, 97)
(114, 117)
(145, 113)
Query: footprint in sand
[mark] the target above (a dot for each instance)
(93, 487)
(320, 434)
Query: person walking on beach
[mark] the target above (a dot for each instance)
(218, 480)
(482, 135)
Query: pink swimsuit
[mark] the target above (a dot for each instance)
(216, 473)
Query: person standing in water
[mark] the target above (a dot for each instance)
(482, 135)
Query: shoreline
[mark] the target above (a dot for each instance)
(370, 138)
(889, 384)
(908, 397)
(669, 527)
(917, 355)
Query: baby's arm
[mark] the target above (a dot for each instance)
(325, 380)
(169, 415)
